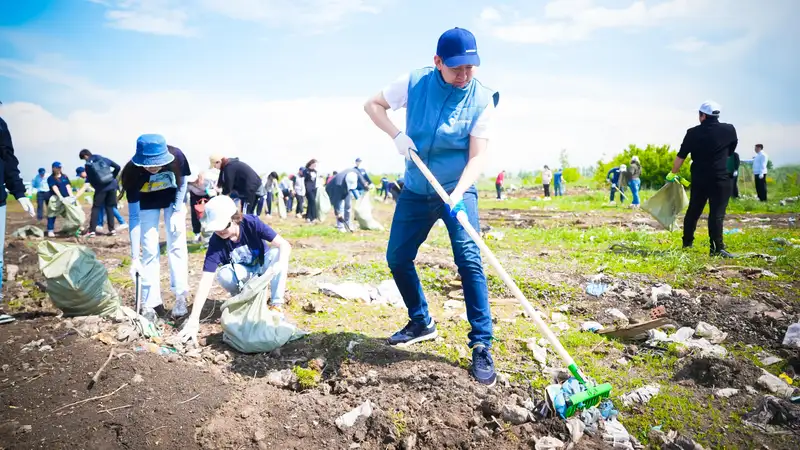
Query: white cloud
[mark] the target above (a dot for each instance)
(573, 20)
(490, 14)
(688, 45)
(172, 17)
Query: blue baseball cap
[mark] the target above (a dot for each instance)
(457, 47)
(56, 165)
(41, 170)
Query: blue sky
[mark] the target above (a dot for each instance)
(279, 82)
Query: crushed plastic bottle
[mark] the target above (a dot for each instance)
(154, 348)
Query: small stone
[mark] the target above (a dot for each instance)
(45, 348)
(339, 387)
(194, 353)
(516, 415)
(125, 332)
(480, 434)
(682, 293)
(173, 357)
(25, 429)
(259, 435)
(245, 413)
(409, 442)
(11, 273)
(220, 358)
(137, 379)
(5, 367)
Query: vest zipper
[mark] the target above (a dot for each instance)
(428, 188)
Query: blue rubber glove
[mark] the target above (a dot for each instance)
(459, 206)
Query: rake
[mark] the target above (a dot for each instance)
(593, 395)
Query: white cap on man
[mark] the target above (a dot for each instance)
(710, 108)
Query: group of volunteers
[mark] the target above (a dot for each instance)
(449, 120)
(549, 178)
(626, 176)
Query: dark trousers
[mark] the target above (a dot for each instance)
(106, 200)
(269, 203)
(299, 199)
(761, 187)
(546, 190)
(41, 202)
(499, 189)
(287, 200)
(715, 192)
(311, 212)
(194, 200)
(735, 186)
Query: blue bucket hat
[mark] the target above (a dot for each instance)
(151, 151)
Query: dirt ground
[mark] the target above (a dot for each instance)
(216, 398)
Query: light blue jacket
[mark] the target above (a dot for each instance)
(439, 119)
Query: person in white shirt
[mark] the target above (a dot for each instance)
(287, 191)
(760, 172)
(299, 191)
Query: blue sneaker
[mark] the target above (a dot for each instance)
(483, 366)
(413, 333)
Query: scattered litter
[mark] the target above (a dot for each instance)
(712, 333)
(11, 272)
(596, 289)
(576, 428)
(732, 231)
(617, 317)
(616, 435)
(561, 326)
(792, 336)
(768, 359)
(453, 304)
(349, 419)
(28, 231)
(788, 200)
(774, 416)
(726, 392)
(539, 353)
(641, 395)
(775, 385)
(516, 415)
(781, 241)
(765, 257)
(563, 308)
(591, 326)
(784, 376)
(638, 329)
(672, 440)
(558, 317)
(351, 345)
(348, 290)
(495, 235)
(656, 292)
(548, 443)
(607, 410)
(684, 337)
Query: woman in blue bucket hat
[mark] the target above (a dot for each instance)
(154, 180)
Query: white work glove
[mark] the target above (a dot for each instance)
(404, 144)
(190, 330)
(177, 220)
(736, 173)
(27, 206)
(761, 176)
(136, 268)
(71, 200)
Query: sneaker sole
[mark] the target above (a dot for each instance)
(427, 337)
(494, 381)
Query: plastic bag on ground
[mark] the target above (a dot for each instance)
(248, 324)
(792, 336)
(323, 203)
(666, 204)
(363, 212)
(774, 415)
(28, 231)
(77, 282)
(72, 215)
(281, 205)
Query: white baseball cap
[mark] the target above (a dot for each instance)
(710, 108)
(351, 179)
(218, 213)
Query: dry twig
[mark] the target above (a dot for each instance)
(114, 409)
(187, 401)
(96, 376)
(80, 402)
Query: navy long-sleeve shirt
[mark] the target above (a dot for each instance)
(9, 166)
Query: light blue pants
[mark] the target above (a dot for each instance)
(232, 276)
(102, 215)
(177, 254)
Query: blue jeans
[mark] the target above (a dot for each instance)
(102, 215)
(413, 219)
(559, 191)
(230, 276)
(635, 185)
(41, 201)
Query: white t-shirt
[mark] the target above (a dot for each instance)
(396, 94)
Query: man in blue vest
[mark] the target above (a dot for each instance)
(448, 123)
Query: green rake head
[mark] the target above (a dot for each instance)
(592, 396)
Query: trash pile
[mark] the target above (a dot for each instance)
(386, 293)
(707, 340)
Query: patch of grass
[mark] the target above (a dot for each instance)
(400, 423)
(306, 378)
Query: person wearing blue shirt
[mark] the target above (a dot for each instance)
(61, 191)
(364, 181)
(614, 175)
(39, 183)
(558, 176)
(448, 123)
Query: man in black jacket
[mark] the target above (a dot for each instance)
(9, 179)
(101, 174)
(710, 144)
(237, 179)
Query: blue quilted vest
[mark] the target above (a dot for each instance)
(439, 119)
